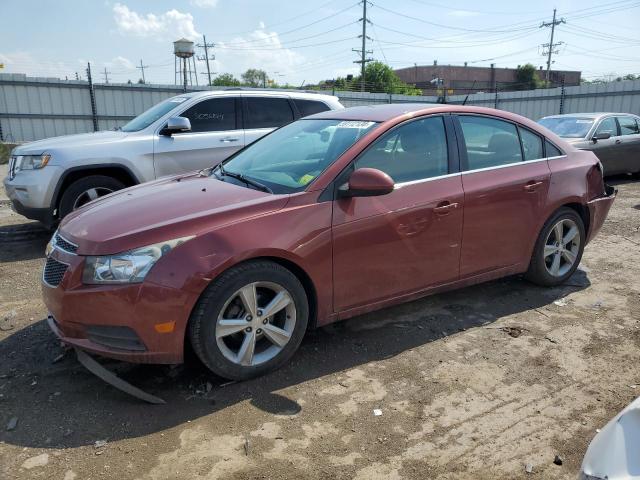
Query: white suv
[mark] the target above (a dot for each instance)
(50, 178)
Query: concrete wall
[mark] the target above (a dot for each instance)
(35, 108)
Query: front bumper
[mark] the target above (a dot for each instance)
(118, 321)
(31, 192)
(599, 209)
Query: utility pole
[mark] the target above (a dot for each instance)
(551, 47)
(206, 57)
(142, 67)
(363, 52)
(106, 75)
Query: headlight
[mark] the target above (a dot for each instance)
(127, 267)
(32, 162)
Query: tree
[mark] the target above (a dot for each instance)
(226, 80)
(379, 77)
(140, 81)
(527, 77)
(255, 78)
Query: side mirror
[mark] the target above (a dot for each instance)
(367, 182)
(601, 136)
(176, 125)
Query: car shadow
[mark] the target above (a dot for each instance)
(622, 179)
(59, 404)
(25, 241)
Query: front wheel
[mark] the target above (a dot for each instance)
(558, 249)
(250, 320)
(86, 189)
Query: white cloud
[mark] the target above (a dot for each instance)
(259, 49)
(120, 63)
(204, 3)
(170, 23)
(24, 62)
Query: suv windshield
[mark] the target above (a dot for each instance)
(291, 157)
(154, 113)
(568, 127)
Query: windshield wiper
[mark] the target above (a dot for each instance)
(242, 178)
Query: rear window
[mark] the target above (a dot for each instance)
(309, 107)
(265, 112)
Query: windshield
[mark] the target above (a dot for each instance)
(291, 157)
(568, 127)
(154, 113)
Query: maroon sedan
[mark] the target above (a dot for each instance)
(331, 216)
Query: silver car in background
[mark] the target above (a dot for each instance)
(49, 178)
(613, 137)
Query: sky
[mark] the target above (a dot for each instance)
(303, 42)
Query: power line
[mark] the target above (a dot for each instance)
(551, 46)
(206, 57)
(363, 52)
(142, 67)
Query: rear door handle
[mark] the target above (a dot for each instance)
(531, 186)
(229, 139)
(444, 208)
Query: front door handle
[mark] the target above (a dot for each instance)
(618, 141)
(531, 186)
(229, 139)
(445, 208)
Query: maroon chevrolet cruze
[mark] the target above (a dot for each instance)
(331, 216)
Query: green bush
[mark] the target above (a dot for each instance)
(5, 150)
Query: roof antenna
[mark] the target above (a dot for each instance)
(467, 97)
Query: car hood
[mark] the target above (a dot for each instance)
(82, 139)
(163, 210)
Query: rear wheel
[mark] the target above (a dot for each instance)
(250, 320)
(558, 250)
(86, 189)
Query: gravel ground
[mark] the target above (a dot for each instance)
(474, 384)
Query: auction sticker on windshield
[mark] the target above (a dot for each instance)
(354, 124)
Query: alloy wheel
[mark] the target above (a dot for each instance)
(561, 247)
(89, 195)
(255, 323)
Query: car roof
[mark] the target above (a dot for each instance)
(251, 91)
(594, 115)
(376, 113)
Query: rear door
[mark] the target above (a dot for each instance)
(627, 158)
(263, 114)
(409, 239)
(215, 134)
(505, 186)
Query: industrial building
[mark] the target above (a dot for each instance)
(457, 80)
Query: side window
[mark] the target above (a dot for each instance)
(265, 112)
(552, 150)
(531, 144)
(309, 107)
(628, 126)
(489, 142)
(608, 125)
(213, 115)
(413, 151)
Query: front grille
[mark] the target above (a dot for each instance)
(53, 272)
(65, 245)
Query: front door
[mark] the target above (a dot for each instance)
(215, 134)
(409, 239)
(605, 149)
(505, 188)
(627, 158)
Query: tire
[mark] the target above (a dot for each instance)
(77, 194)
(220, 350)
(542, 269)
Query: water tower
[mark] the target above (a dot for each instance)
(184, 59)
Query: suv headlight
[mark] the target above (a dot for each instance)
(127, 267)
(32, 162)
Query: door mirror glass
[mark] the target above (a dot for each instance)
(176, 125)
(601, 136)
(367, 182)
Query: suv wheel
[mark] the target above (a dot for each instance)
(558, 249)
(250, 320)
(85, 190)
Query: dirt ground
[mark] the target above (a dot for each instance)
(471, 384)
